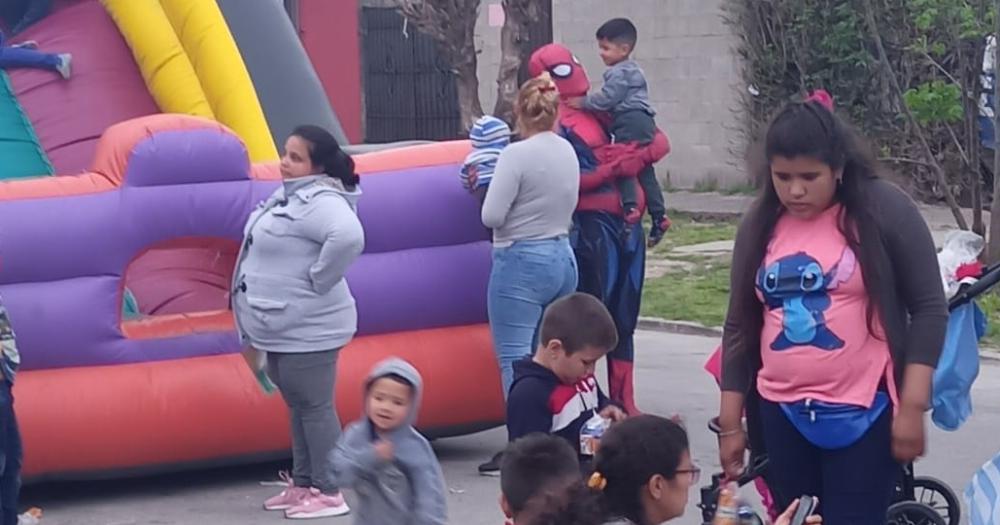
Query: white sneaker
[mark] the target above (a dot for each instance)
(65, 65)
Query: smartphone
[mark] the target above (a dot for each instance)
(807, 506)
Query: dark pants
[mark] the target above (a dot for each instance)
(10, 456)
(639, 126)
(612, 268)
(854, 484)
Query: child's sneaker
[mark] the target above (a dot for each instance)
(289, 497)
(65, 65)
(633, 216)
(319, 505)
(657, 231)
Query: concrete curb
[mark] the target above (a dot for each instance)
(655, 324)
(678, 327)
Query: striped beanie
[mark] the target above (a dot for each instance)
(489, 132)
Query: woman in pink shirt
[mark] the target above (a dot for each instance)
(836, 321)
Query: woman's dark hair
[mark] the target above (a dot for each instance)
(631, 453)
(325, 152)
(573, 505)
(810, 129)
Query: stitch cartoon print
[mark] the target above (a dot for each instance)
(796, 284)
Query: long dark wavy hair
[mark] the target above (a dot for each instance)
(811, 129)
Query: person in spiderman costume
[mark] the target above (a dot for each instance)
(611, 254)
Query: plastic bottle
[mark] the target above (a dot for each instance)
(746, 514)
(727, 513)
(591, 433)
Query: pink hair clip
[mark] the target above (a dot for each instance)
(823, 98)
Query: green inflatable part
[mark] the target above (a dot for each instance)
(22, 156)
(130, 307)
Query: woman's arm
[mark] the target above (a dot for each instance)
(736, 373)
(335, 225)
(914, 262)
(502, 190)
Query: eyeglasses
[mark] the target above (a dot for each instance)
(695, 473)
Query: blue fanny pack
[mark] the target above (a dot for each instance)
(832, 426)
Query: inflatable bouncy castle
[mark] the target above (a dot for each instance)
(126, 190)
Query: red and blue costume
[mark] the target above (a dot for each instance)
(610, 253)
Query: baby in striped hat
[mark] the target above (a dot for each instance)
(489, 136)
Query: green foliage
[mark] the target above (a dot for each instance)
(934, 47)
(935, 102)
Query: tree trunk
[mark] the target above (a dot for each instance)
(993, 248)
(513, 36)
(452, 25)
(939, 173)
(467, 83)
(970, 68)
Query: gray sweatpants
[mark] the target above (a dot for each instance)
(306, 384)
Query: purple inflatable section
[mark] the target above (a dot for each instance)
(426, 264)
(178, 157)
(418, 208)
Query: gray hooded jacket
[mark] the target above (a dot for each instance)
(289, 293)
(409, 490)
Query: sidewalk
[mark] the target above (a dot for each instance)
(938, 218)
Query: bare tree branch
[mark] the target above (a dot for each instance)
(939, 173)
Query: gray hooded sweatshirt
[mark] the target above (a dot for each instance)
(289, 293)
(409, 490)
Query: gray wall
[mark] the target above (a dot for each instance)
(693, 73)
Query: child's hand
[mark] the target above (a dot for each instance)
(384, 450)
(576, 103)
(613, 413)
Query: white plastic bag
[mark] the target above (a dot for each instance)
(960, 248)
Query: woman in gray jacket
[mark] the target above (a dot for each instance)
(292, 303)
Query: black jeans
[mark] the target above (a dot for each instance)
(854, 484)
(639, 126)
(10, 456)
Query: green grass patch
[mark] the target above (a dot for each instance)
(990, 303)
(686, 231)
(700, 295)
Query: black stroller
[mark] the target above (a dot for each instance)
(918, 500)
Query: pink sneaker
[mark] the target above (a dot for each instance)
(319, 505)
(289, 497)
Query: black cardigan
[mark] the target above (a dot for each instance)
(913, 308)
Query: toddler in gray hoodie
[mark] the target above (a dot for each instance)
(390, 466)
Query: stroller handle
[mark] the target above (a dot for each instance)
(989, 278)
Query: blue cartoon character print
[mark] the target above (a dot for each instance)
(797, 284)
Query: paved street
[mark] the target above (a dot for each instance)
(669, 380)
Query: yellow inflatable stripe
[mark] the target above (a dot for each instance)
(210, 46)
(169, 74)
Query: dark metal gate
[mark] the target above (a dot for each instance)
(410, 91)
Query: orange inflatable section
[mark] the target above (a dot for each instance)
(210, 408)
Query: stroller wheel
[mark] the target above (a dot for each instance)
(937, 495)
(913, 513)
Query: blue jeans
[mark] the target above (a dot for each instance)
(854, 484)
(526, 277)
(17, 57)
(10, 456)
